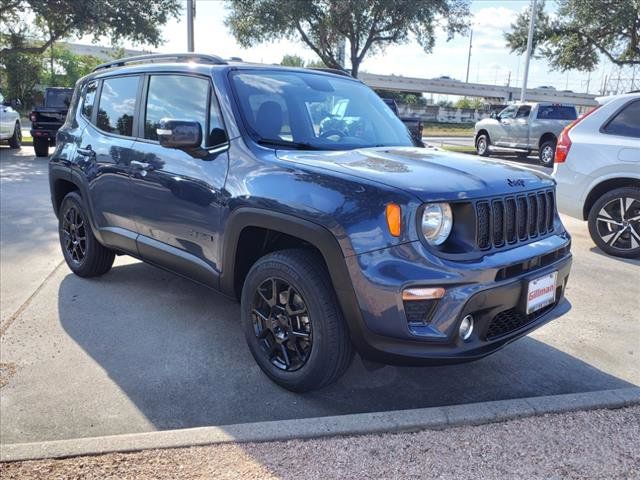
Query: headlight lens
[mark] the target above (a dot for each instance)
(437, 221)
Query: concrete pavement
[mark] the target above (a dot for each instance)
(141, 350)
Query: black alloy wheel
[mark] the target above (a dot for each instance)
(282, 324)
(74, 235)
(614, 222)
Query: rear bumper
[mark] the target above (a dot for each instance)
(47, 133)
(387, 337)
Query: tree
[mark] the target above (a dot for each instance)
(473, 103)
(582, 32)
(21, 72)
(71, 66)
(292, 61)
(367, 25)
(136, 20)
(408, 98)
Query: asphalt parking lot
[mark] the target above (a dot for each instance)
(141, 349)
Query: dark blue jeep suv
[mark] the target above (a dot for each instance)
(300, 193)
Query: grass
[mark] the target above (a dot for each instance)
(459, 148)
(435, 129)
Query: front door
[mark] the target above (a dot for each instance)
(520, 126)
(505, 126)
(179, 196)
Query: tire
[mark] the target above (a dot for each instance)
(92, 260)
(41, 146)
(605, 222)
(482, 145)
(15, 141)
(547, 152)
(317, 345)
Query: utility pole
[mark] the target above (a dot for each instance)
(191, 12)
(532, 22)
(469, 57)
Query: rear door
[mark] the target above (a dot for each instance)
(178, 196)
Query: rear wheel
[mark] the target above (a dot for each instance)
(41, 146)
(84, 255)
(292, 322)
(614, 222)
(482, 145)
(547, 153)
(16, 140)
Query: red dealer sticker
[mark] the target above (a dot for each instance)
(541, 292)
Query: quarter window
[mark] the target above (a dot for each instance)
(117, 105)
(627, 122)
(88, 99)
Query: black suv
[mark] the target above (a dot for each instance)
(300, 193)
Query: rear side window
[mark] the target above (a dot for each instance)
(556, 112)
(89, 98)
(626, 122)
(117, 105)
(176, 97)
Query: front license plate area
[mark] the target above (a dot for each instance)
(541, 292)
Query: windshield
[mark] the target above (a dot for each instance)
(315, 111)
(58, 98)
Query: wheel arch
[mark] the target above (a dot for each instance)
(545, 137)
(482, 131)
(603, 187)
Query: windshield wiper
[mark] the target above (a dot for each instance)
(278, 142)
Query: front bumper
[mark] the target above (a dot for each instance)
(490, 289)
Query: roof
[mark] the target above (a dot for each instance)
(608, 98)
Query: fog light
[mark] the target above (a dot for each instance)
(466, 328)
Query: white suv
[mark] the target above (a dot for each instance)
(597, 167)
(10, 128)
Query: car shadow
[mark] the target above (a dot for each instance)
(629, 261)
(177, 351)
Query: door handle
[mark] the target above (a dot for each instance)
(141, 165)
(86, 151)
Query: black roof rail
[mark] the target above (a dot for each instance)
(335, 71)
(151, 58)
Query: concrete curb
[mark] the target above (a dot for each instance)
(356, 424)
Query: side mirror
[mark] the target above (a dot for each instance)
(182, 134)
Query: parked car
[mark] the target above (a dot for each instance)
(10, 128)
(47, 119)
(414, 124)
(598, 173)
(525, 128)
(333, 239)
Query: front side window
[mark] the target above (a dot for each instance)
(509, 112)
(117, 105)
(315, 111)
(557, 112)
(626, 122)
(88, 99)
(523, 111)
(176, 97)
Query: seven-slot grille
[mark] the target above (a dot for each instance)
(507, 220)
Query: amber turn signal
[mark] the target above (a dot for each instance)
(394, 219)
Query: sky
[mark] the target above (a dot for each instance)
(491, 61)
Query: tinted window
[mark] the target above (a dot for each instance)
(312, 110)
(557, 112)
(523, 111)
(88, 99)
(217, 134)
(177, 97)
(117, 104)
(58, 98)
(627, 122)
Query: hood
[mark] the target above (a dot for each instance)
(429, 174)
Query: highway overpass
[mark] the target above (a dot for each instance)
(454, 87)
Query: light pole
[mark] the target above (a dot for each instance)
(532, 22)
(469, 57)
(191, 8)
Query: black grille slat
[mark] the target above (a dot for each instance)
(498, 223)
(507, 220)
(483, 225)
(510, 219)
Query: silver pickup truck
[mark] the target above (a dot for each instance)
(525, 127)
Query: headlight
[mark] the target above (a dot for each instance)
(437, 221)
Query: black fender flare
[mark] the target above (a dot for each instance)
(312, 233)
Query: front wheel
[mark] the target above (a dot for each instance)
(547, 153)
(15, 141)
(292, 322)
(85, 256)
(482, 145)
(614, 222)
(41, 146)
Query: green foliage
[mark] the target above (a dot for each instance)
(407, 98)
(473, 103)
(582, 32)
(292, 61)
(21, 72)
(367, 25)
(69, 67)
(135, 20)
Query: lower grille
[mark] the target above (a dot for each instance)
(419, 312)
(511, 320)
